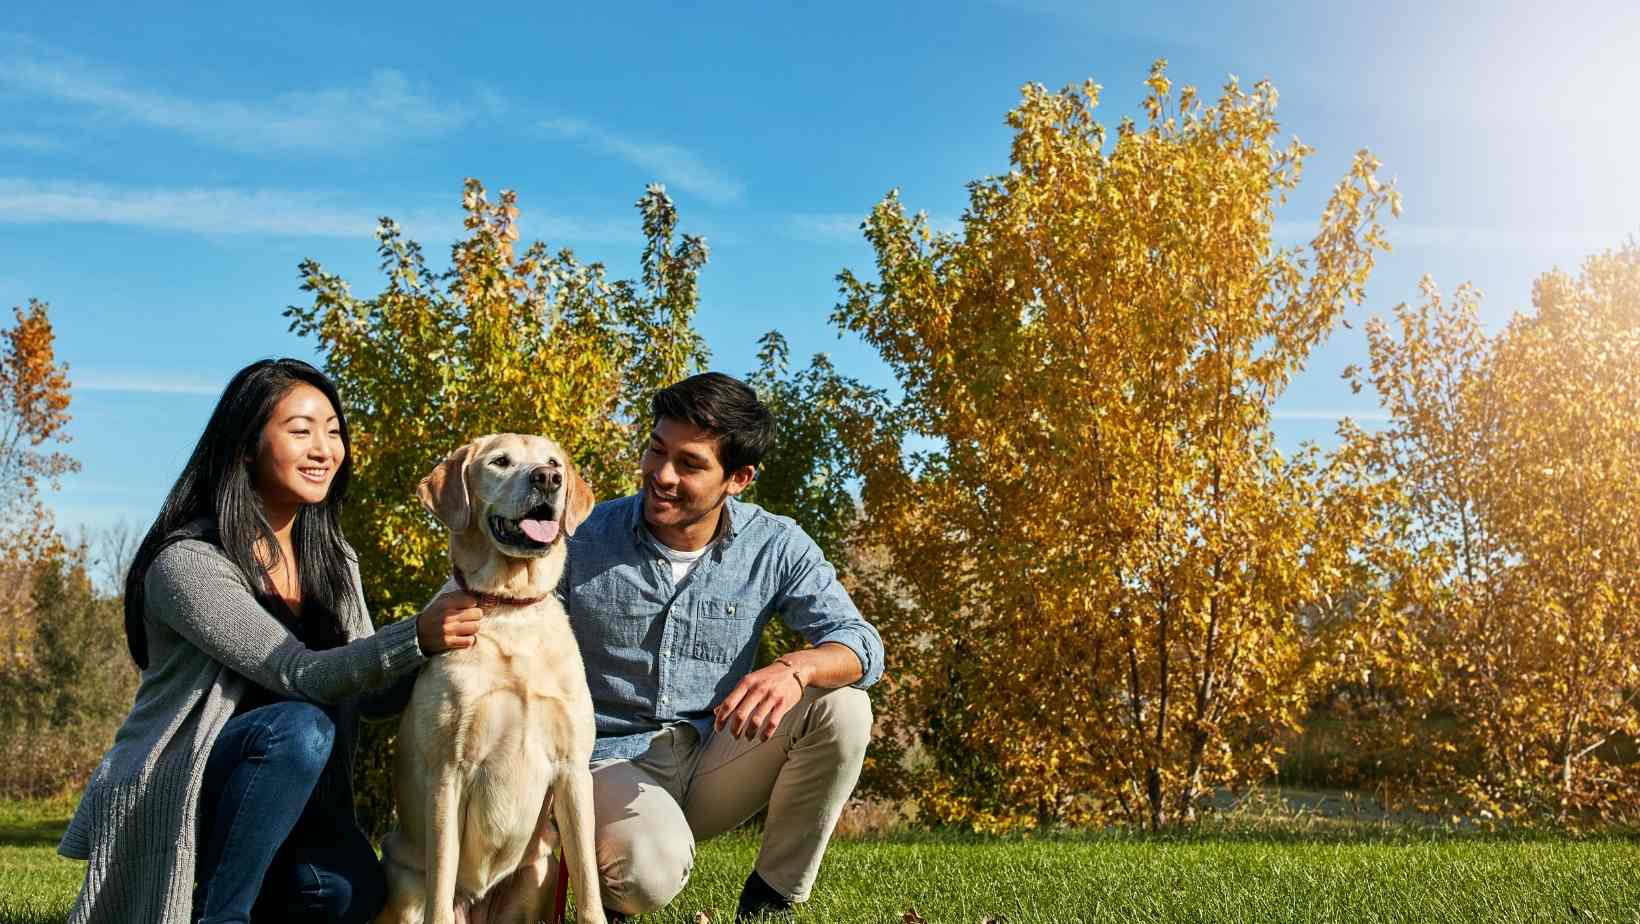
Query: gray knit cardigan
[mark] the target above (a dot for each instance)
(208, 639)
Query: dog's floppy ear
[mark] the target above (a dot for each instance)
(580, 500)
(444, 491)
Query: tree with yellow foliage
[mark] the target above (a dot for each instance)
(34, 396)
(63, 675)
(1101, 572)
(34, 399)
(1517, 604)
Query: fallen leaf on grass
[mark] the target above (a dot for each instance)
(990, 919)
(704, 917)
(912, 917)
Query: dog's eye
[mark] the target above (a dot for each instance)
(501, 462)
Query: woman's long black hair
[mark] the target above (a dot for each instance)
(216, 484)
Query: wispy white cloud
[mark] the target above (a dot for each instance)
(146, 382)
(492, 101)
(386, 108)
(267, 212)
(558, 229)
(29, 141)
(202, 210)
(1504, 238)
(845, 227)
(826, 227)
(1460, 237)
(669, 163)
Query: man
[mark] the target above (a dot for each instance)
(668, 591)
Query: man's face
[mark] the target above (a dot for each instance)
(683, 481)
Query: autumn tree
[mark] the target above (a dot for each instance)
(533, 341)
(1434, 582)
(34, 398)
(1517, 461)
(1103, 561)
(1568, 456)
(64, 677)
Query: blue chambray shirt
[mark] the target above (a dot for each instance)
(656, 655)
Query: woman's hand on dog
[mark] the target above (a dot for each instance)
(450, 622)
(756, 705)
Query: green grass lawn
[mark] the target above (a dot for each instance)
(1344, 874)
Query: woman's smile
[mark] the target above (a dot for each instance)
(301, 450)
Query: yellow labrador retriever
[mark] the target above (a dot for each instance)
(496, 741)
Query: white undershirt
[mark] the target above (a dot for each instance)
(682, 562)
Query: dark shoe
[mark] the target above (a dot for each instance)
(759, 902)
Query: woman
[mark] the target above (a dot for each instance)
(228, 786)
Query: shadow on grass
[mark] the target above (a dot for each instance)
(1270, 834)
(43, 833)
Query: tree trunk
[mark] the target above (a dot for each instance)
(1153, 793)
(1193, 776)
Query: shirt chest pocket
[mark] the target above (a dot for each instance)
(723, 630)
(604, 617)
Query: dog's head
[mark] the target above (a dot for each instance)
(506, 495)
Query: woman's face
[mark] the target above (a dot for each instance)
(301, 450)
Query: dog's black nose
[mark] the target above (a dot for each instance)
(546, 477)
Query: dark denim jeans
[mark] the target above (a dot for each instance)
(270, 850)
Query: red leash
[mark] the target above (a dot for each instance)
(560, 893)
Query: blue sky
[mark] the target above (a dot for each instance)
(163, 169)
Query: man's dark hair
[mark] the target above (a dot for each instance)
(725, 407)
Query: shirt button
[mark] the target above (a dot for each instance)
(731, 609)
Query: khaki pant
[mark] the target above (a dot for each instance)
(652, 809)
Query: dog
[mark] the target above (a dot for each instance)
(496, 741)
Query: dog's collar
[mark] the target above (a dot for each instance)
(486, 601)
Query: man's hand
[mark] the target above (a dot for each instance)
(757, 704)
(449, 622)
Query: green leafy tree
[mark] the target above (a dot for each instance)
(531, 342)
(821, 416)
(59, 707)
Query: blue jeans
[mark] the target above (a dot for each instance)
(271, 851)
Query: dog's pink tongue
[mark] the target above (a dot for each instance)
(540, 530)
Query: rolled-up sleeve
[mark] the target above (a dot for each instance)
(815, 605)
